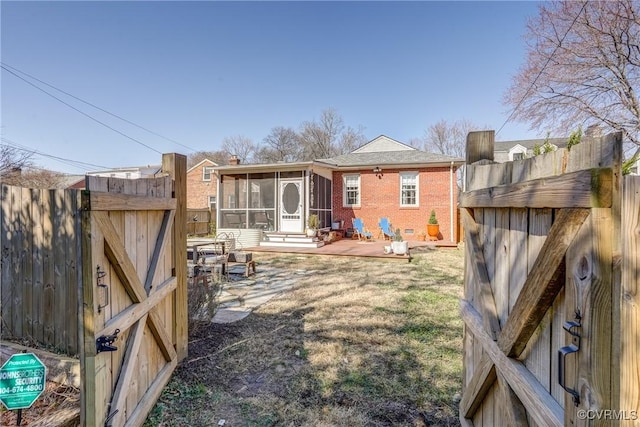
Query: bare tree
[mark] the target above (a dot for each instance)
(218, 157)
(240, 146)
(582, 68)
(350, 140)
(34, 178)
(281, 145)
(448, 138)
(328, 136)
(13, 160)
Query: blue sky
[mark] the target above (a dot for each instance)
(197, 72)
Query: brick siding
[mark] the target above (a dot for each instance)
(198, 191)
(380, 197)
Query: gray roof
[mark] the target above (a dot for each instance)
(391, 158)
(529, 143)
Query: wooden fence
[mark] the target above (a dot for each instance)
(101, 274)
(199, 222)
(548, 338)
(39, 235)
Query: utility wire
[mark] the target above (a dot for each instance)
(584, 5)
(4, 64)
(75, 163)
(80, 111)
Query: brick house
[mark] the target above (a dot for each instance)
(386, 178)
(383, 178)
(202, 186)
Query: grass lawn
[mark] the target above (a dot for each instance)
(358, 342)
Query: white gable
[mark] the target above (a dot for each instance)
(382, 143)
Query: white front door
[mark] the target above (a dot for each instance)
(291, 206)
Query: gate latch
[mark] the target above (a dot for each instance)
(574, 347)
(105, 342)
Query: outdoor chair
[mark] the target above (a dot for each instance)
(214, 258)
(385, 229)
(359, 231)
(232, 220)
(261, 220)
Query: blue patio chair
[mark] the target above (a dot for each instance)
(385, 229)
(360, 231)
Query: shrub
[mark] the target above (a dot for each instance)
(432, 218)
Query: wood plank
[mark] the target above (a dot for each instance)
(87, 324)
(578, 260)
(26, 263)
(595, 353)
(60, 261)
(502, 267)
(487, 302)
(48, 267)
(123, 385)
(530, 392)
(541, 286)
(176, 166)
(6, 282)
(630, 301)
(537, 354)
(581, 189)
(100, 201)
(72, 275)
(38, 271)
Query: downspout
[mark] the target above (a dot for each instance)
(451, 199)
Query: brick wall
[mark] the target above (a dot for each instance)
(198, 191)
(380, 197)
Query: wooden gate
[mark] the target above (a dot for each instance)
(540, 298)
(133, 308)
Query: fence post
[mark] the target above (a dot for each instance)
(176, 166)
(480, 145)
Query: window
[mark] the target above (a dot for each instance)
(212, 203)
(206, 173)
(518, 156)
(409, 189)
(351, 186)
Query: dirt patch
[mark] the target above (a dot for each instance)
(356, 342)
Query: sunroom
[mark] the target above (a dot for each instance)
(256, 199)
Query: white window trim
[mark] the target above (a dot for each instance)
(215, 198)
(344, 191)
(417, 177)
(204, 171)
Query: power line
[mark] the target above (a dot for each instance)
(584, 5)
(75, 163)
(97, 107)
(80, 111)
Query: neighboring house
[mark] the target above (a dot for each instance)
(202, 186)
(383, 178)
(507, 151)
(133, 172)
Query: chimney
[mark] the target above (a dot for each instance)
(234, 160)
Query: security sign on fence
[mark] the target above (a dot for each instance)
(22, 381)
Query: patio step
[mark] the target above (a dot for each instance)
(292, 240)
